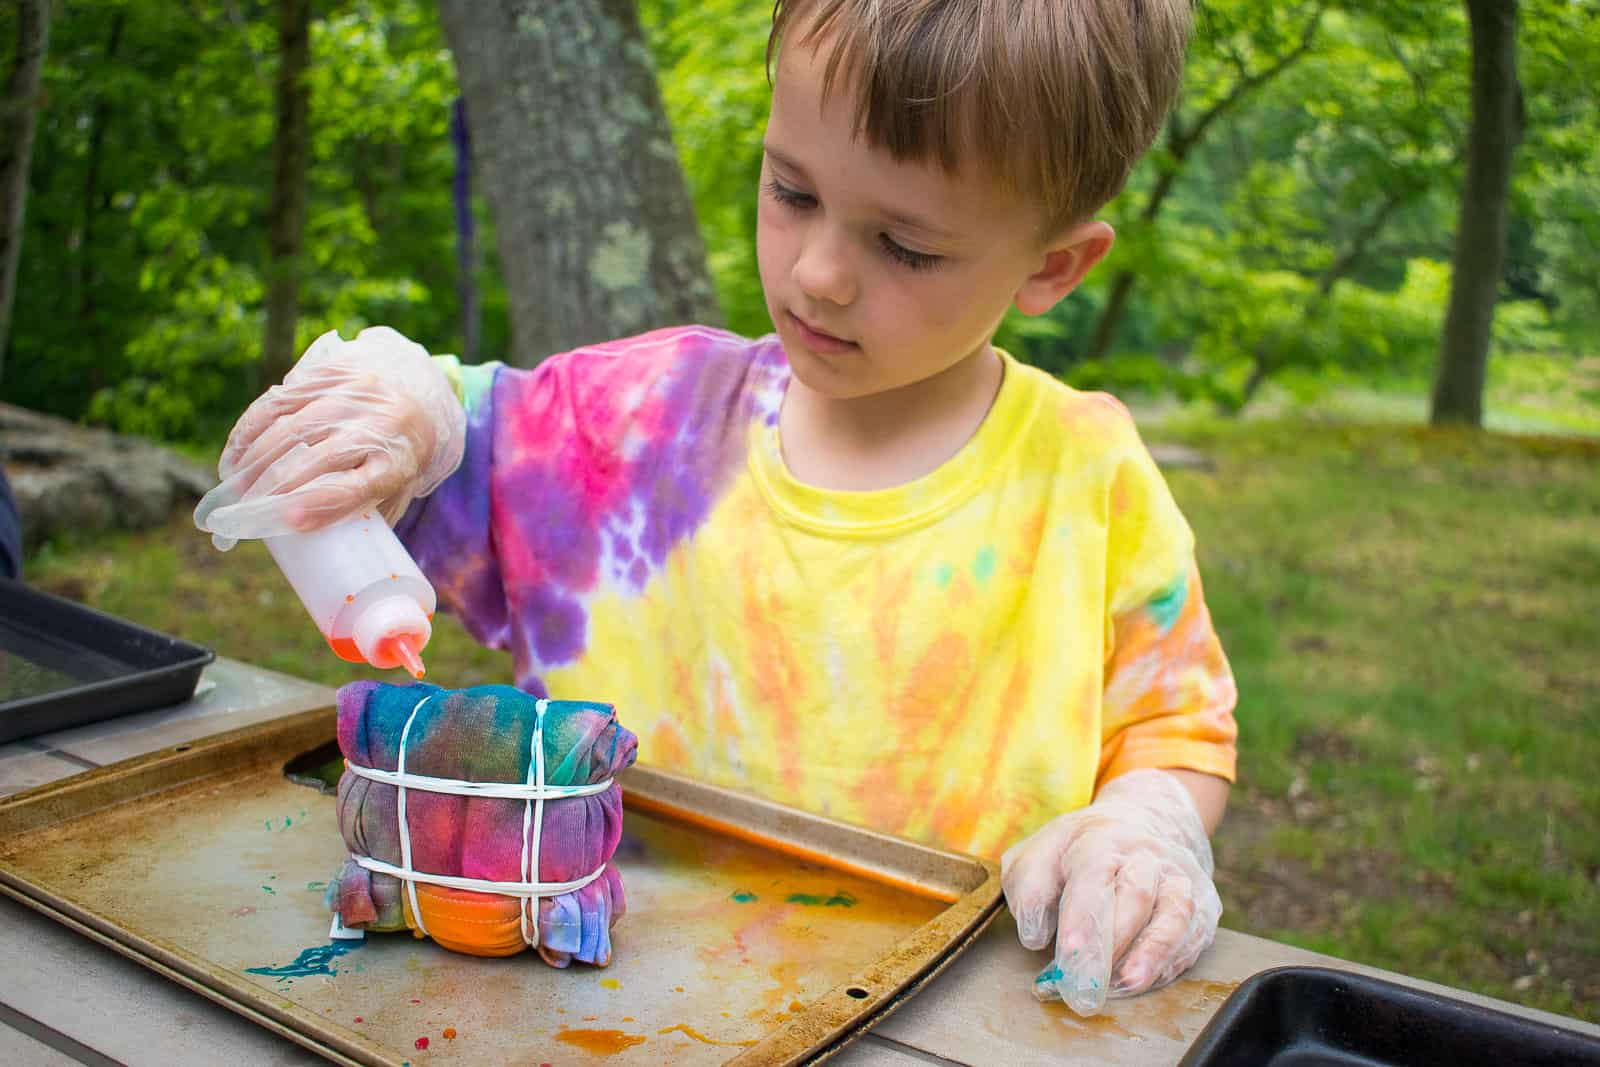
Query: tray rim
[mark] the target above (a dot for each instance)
(188, 656)
(825, 1026)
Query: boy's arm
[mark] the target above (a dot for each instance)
(1124, 886)
(450, 532)
(1209, 793)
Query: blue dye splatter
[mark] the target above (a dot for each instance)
(1050, 974)
(983, 567)
(944, 574)
(1167, 605)
(316, 960)
(743, 896)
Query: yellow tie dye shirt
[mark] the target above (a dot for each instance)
(956, 660)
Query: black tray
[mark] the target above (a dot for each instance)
(1315, 1017)
(62, 664)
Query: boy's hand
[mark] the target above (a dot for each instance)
(354, 425)
(1123, 885)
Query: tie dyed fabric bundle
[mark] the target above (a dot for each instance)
(484, 734)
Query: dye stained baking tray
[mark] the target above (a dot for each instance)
(63, 664)
(755, 934)
(1305, 1016)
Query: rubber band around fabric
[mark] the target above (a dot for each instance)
(532, 793)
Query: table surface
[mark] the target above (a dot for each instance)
(67, 1000)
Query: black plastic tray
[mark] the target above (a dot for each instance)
(1316, 1017)
(62, 664)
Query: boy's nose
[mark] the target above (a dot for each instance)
(822, 269)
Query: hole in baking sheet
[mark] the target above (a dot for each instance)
(320, 768)
(857, 992)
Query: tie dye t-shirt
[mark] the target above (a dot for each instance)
(956, 660)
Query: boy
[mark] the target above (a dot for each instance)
(868, 565)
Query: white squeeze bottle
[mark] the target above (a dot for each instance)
(363, 590)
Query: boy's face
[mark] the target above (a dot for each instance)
(879, 274)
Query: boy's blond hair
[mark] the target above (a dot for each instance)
(1057, 98)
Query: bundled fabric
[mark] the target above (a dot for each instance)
(504, 844)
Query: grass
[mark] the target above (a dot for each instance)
(1412, 618)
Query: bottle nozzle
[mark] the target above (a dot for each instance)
(392, 633)
(408, 656)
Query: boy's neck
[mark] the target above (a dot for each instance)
(891, 438)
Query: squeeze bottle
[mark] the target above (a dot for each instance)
(363, 590)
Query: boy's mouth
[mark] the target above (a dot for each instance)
(819, 340)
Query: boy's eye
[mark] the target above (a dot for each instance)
(789, 197)
(901, 254)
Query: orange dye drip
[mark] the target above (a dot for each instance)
(689, 1031)
(606, 1042)
(634, 802)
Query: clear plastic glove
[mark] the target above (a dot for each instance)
(1123, 886)
(369, 422)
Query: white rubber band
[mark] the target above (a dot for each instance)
(532, 793)
(533, 810)
(405, 825)
(462, 788)
(481, 885)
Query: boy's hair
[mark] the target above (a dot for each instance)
(1058, 98)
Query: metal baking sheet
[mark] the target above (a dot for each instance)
(63, 665)
(755, 934)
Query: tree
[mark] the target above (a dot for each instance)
(1253, 44)
(286, 217)
(595, 228)
(16, 147)
(1481, 236)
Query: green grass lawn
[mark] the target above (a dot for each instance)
(1413, 619)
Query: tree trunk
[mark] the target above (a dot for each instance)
(94, 202)
(466, 235)
(596, 231)
(1110, 320)
(286, 220)
(17, 124)
(1481, 234)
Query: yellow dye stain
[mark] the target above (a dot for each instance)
(689, 1031)
(611, 983)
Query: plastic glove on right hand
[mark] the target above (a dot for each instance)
(1123, 886)
(370, 422)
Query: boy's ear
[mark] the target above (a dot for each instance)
(1067, 259)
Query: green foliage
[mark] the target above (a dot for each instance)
(1303, 235)
(1298, 236)
(711, 57)
(141, 305)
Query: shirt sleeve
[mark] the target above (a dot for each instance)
(449, 532)
(1169, 693)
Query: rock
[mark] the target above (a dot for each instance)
(1179, 457)
(68, 477)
